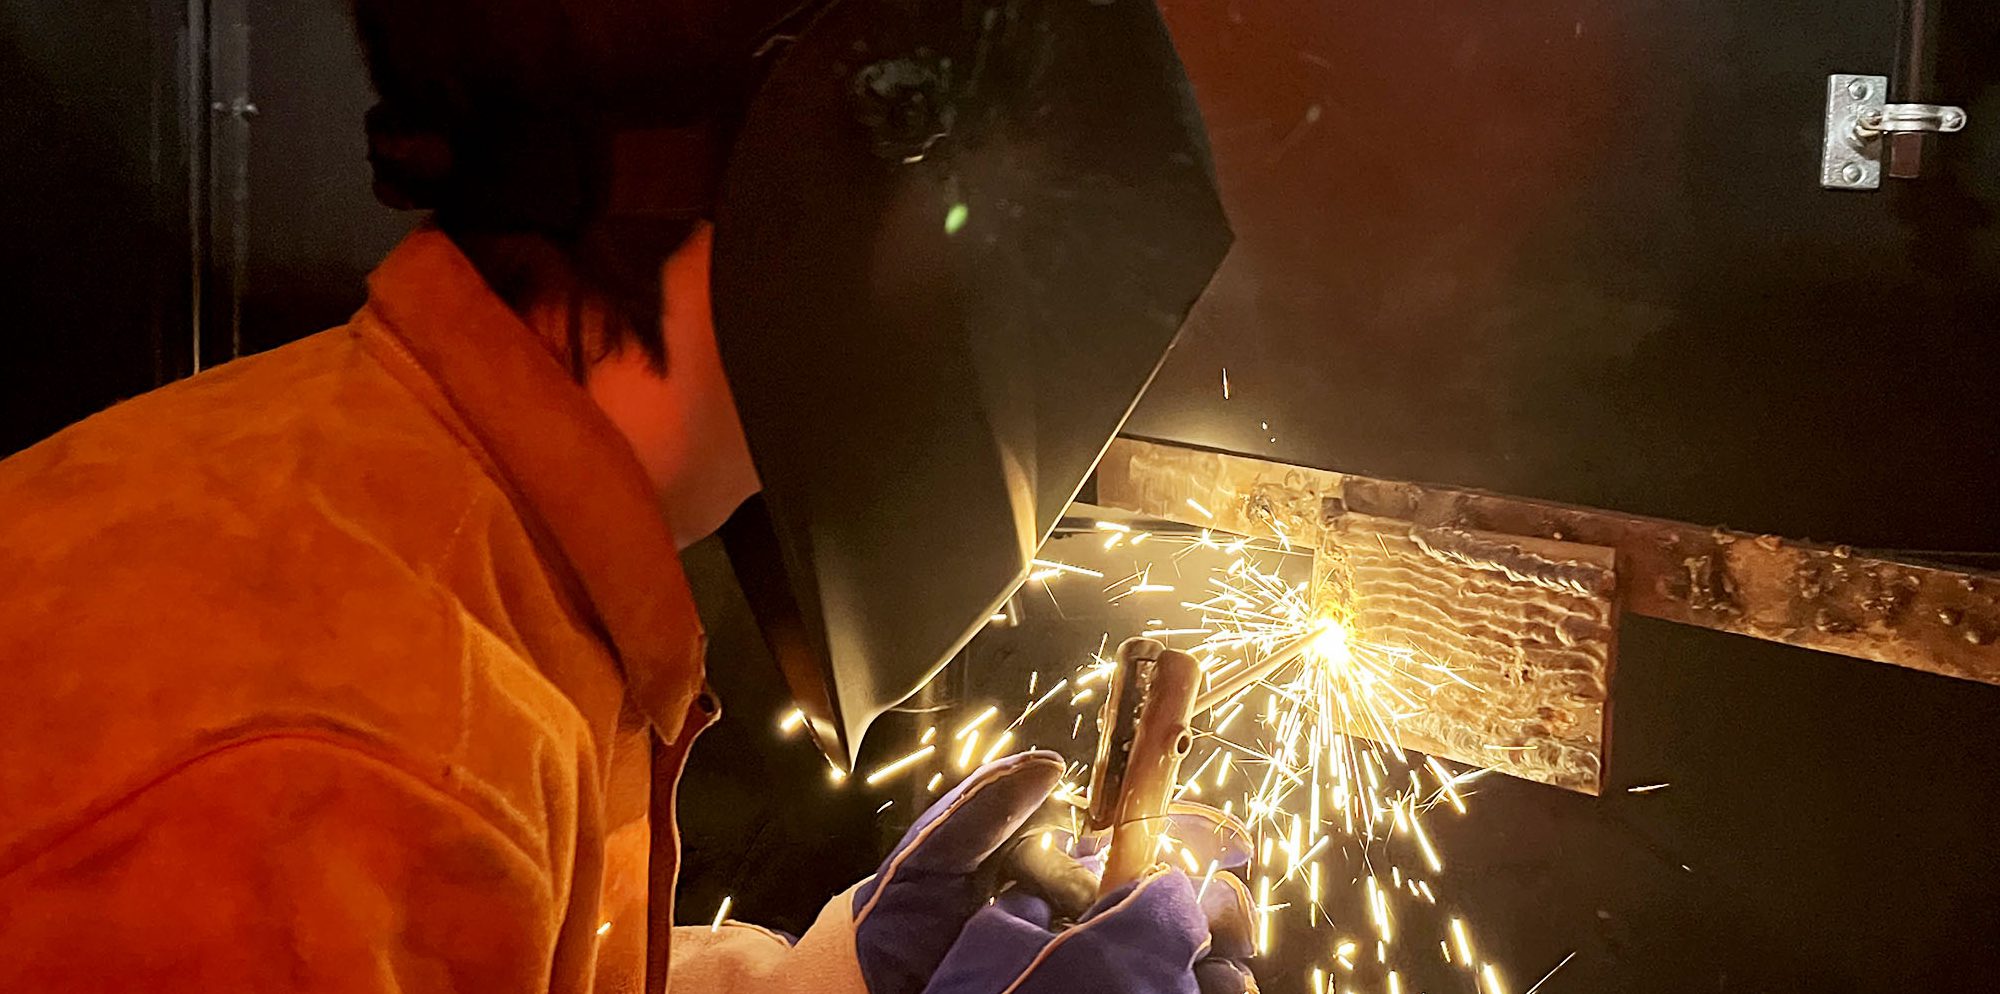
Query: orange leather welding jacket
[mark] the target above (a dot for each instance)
(335, 669)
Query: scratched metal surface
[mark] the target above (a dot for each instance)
(1528, 627)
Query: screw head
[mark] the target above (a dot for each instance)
(1851, 172)
(1858, 90)
(1952, 121)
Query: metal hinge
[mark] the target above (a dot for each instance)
(1858, 116)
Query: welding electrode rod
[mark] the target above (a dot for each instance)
(1249, 674)
(1160, 740)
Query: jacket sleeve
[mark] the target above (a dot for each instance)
(736, 958)
(283, 863)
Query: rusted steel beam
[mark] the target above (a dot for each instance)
(1933, 618)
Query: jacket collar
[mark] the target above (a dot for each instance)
(565, 464)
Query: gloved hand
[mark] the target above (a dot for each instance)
(1154, 936)
(923, 908)
(907, 916)
(1054, 883)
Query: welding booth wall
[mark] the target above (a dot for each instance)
(1572, 249)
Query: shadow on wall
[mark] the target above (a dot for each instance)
(83, 287)
(96, 236)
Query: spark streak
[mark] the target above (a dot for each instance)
(1552, 972)
(999, 746)
(1062, 567)
(891, 769)
(973, 725)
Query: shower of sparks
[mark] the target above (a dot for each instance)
(1310, 754)
(1300, 739)
(1647, 789)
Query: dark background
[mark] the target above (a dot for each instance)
(1559, 248)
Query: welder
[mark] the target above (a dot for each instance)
(368, 663)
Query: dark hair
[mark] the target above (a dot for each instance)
(499, 116)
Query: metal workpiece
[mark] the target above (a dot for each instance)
(1859, 116)
(1528, 629)
(1228, 493)
(1830, 598)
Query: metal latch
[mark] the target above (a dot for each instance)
(1858, 115)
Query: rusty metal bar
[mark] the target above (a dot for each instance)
(1933, 618)
(1229, 493)
(1828, 598)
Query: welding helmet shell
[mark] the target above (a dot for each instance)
(954, 242)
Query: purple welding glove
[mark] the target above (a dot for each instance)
(907, 916)
(1160, 935)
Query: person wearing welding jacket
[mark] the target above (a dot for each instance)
(368, 664)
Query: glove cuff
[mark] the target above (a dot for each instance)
(738, 958)
(825, 957)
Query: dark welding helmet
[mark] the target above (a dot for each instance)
(954, 240)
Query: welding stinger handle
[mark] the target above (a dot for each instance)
(1144, 734)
